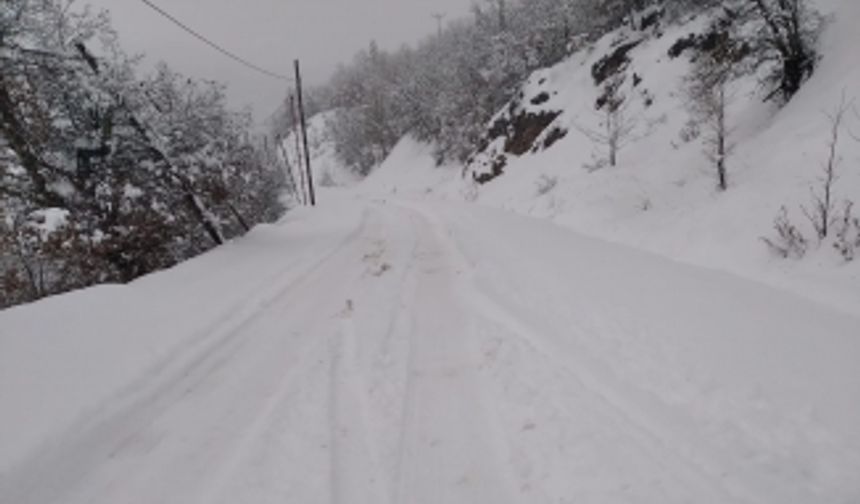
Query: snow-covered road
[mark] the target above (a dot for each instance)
(384, 352)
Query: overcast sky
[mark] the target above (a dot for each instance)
(271, 33)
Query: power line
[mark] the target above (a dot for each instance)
(213, 45)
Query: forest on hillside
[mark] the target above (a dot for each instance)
(447, 89)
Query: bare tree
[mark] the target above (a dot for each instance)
(823, 200)
(708, 96)
(616, 125)
(825, 219)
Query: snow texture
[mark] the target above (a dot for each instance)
(399, 345)
(394, 351)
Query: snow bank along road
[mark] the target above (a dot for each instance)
(386, 352)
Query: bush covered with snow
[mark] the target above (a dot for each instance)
(146, 171)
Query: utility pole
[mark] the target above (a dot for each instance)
(438, 17)
(289, 178)
(303, 196)
(305, 134)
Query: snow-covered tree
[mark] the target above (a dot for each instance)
(106, 176)
(616, 125)
(707, 86)
(785, 40)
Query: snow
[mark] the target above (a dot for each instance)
(410, 170)
(63, 357)
(662, 197)
(399, 343)
(328, 171)
(50, 219)
(381, 349)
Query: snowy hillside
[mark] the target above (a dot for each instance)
(328, 171)
(662, 196)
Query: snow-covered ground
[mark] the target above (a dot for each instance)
(401, 344)
(327, 170)
(662, 196)
(380, 350)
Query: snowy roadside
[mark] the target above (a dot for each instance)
(419, 351)
(66, 356)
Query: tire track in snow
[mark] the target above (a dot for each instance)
(451, 449)
(367, 405)
(394, 380)
(244, 445)
(357, 475)
(64, 464)
(604, 389)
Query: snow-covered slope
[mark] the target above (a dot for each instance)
(662, 196)
(404, 352)
(61, 358)
(411, 171)
(328, 171)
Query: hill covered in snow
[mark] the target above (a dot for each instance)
(539, 156)
(328, 170)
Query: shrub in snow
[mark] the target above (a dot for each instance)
(847, 233)
(845, 229)
(545, 184)
(789, 242)
(821, 213)
(690, 132)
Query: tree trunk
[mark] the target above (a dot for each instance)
(239, 217)
(201, 215)
(793, 73)
(721, 139)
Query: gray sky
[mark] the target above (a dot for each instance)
(271, 33)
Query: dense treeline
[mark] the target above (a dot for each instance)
(445, 90)
(106, 175)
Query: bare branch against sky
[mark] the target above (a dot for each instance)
(271, 33)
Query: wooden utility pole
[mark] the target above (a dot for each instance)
(289, 177)
(311, 192)
(303, 196)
